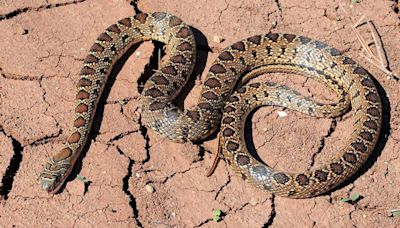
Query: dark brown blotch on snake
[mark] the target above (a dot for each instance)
(227, 132)
(242, 160)
(114, 28)
(302, 180)
(104, 37)
(350, 158)
(126, 22)
(232, 146)
(212, 83)
(337, 168)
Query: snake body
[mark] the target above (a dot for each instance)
(259, 54)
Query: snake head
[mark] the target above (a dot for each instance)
(53, 176)
(48, 182)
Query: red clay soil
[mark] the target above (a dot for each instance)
(137, 178)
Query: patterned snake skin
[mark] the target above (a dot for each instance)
(255, 55)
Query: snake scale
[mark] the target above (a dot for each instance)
(223, 94)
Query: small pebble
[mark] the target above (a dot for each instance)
(149, 188)
(137, 53)
(218, 39)
(281, 113)
(253, 201)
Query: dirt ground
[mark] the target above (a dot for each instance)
(137, 178)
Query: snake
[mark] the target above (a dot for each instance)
(227, 98)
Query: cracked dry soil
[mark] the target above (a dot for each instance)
(43, 43)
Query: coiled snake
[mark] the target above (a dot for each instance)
(257, 54)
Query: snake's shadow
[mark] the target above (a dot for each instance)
(383, 137)
(201, 59)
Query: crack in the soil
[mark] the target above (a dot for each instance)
(125, 188)
(351, 215)
(176, 173)
(134, 4)
(240, 208)
(46, 139)
(332, 129)
(272, 215)
(234, 211)
(309, 212)
(143, 131)
(119, 136)
(13, 76)
(8, 178)
(395, 7)
(132, 200)
(20, 11)
(222, 187)
(220, 13)
(123, 101)
(203, 223)
(278, 4)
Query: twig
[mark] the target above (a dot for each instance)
(364, 44)
(378, 44)
(378, 60)
(380, 67)
(360, 21)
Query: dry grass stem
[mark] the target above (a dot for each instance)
(376, 57)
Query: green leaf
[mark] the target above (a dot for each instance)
(396, 214)
(217, 212)
(122, 102)
(355, 1)
(217, 215)
(355, 197)
(345, 200)
(82, 178)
